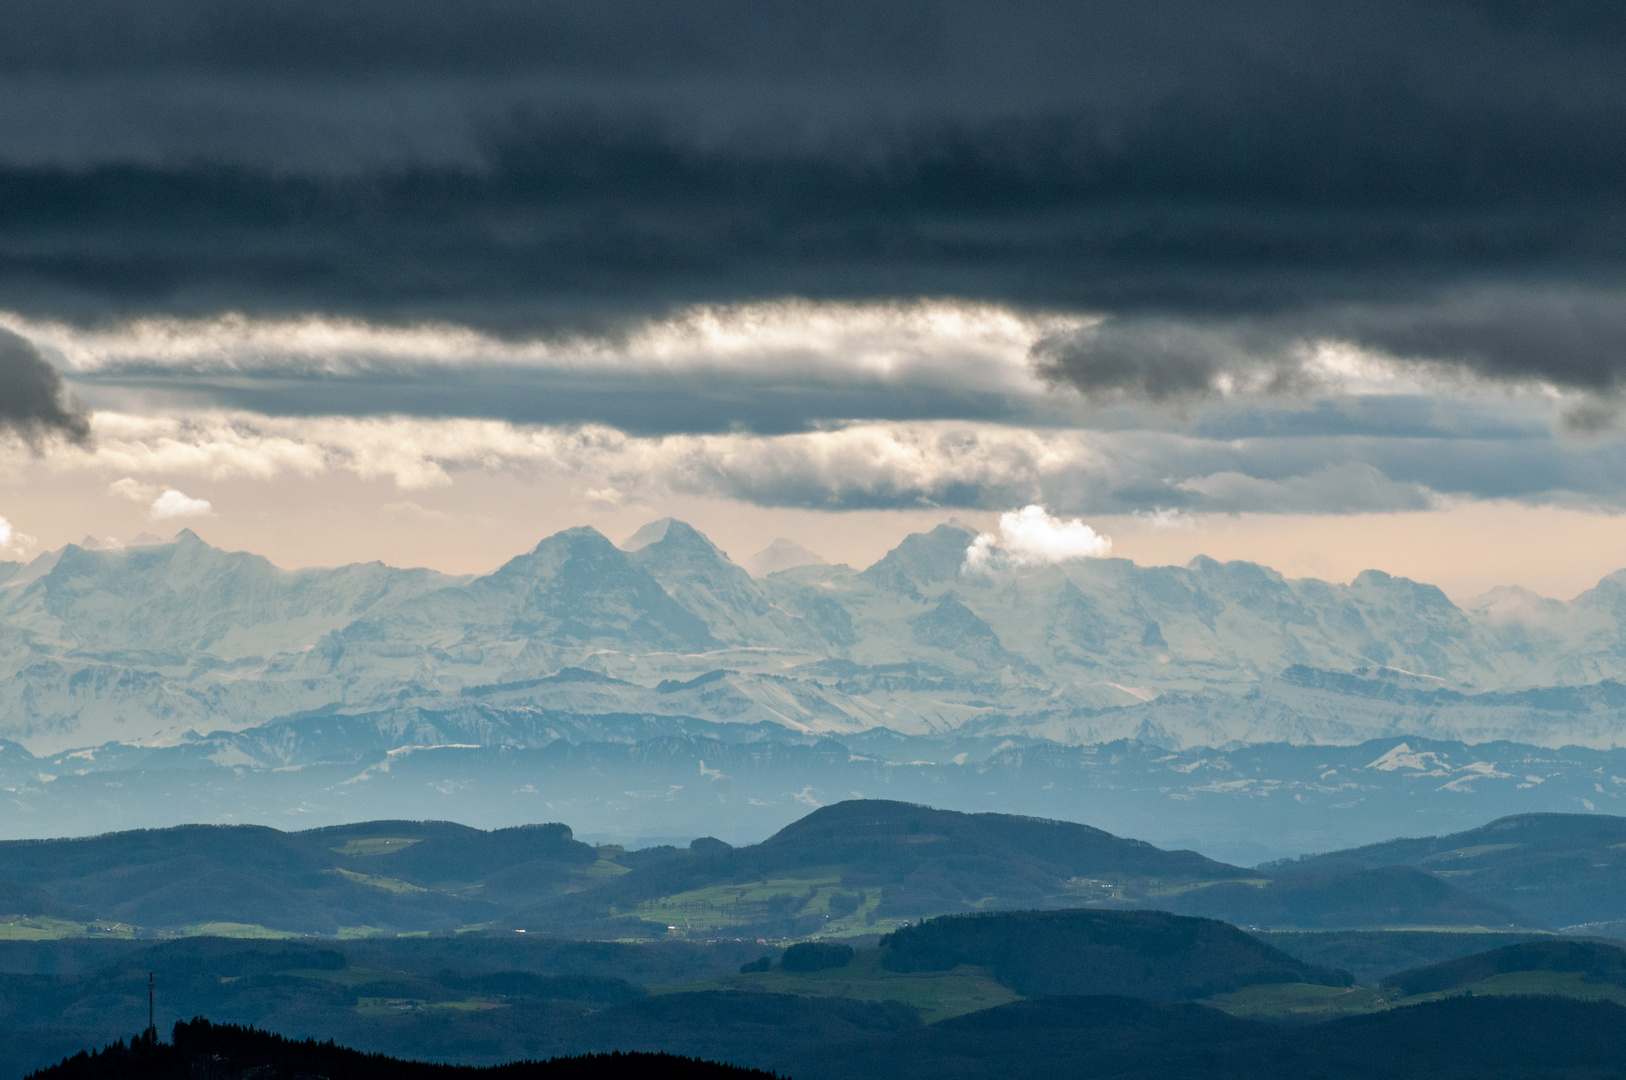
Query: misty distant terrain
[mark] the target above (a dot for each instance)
(1093, 686)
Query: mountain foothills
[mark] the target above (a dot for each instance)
(847, 871)
(149, 643)
(867, 938)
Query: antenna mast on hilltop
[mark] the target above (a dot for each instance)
(152, 1028)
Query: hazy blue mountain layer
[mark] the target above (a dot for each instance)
(859, 867)
(639, 778)
(1390, 896)
(852, 869)
(145, 644)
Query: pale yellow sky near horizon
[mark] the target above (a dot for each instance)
(483, 519)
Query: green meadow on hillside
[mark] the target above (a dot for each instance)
(938, 995)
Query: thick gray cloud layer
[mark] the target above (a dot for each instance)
(32, 402)
(1226, 186)
(1336, 167)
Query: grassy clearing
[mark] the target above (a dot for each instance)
(1300, 1001)
(342, 976)
(1154, 887)
(392, 1006)
(605, 868)
(938, 995)
(44, 928)
(707, 912)
(1571, 984)
(250, 931)
(376, 845)
(388, 884)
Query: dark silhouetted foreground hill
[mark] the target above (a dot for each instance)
(1148, 954)
(228, 1052)
(1459, 1038)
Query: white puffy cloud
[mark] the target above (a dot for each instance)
(173, 504)
(12, 541)
(1031, 536)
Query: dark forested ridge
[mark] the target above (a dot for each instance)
(1148, 954)
(1356, 898)
(906, 861)
(1598, 963)
(889, 860)
(1369, 955)
(407, 875)
(228, 1052)
(1563, 869)
(852, 868)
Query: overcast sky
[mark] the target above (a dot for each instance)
(1325, 285)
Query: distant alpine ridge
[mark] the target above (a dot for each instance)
(162, 642)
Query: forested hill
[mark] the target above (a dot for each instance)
(1566, 869)
(229, 1052)
(1148, 954)
(854, 867)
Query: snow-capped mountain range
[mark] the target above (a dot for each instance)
(164, 642)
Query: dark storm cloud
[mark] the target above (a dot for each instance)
(32, 402)
(1572, 335)
(1444, 181)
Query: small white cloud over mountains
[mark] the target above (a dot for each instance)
(1031, 536)
(173, 504)
(12, 541)
(167, 503)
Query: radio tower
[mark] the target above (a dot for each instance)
(152, 1028)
